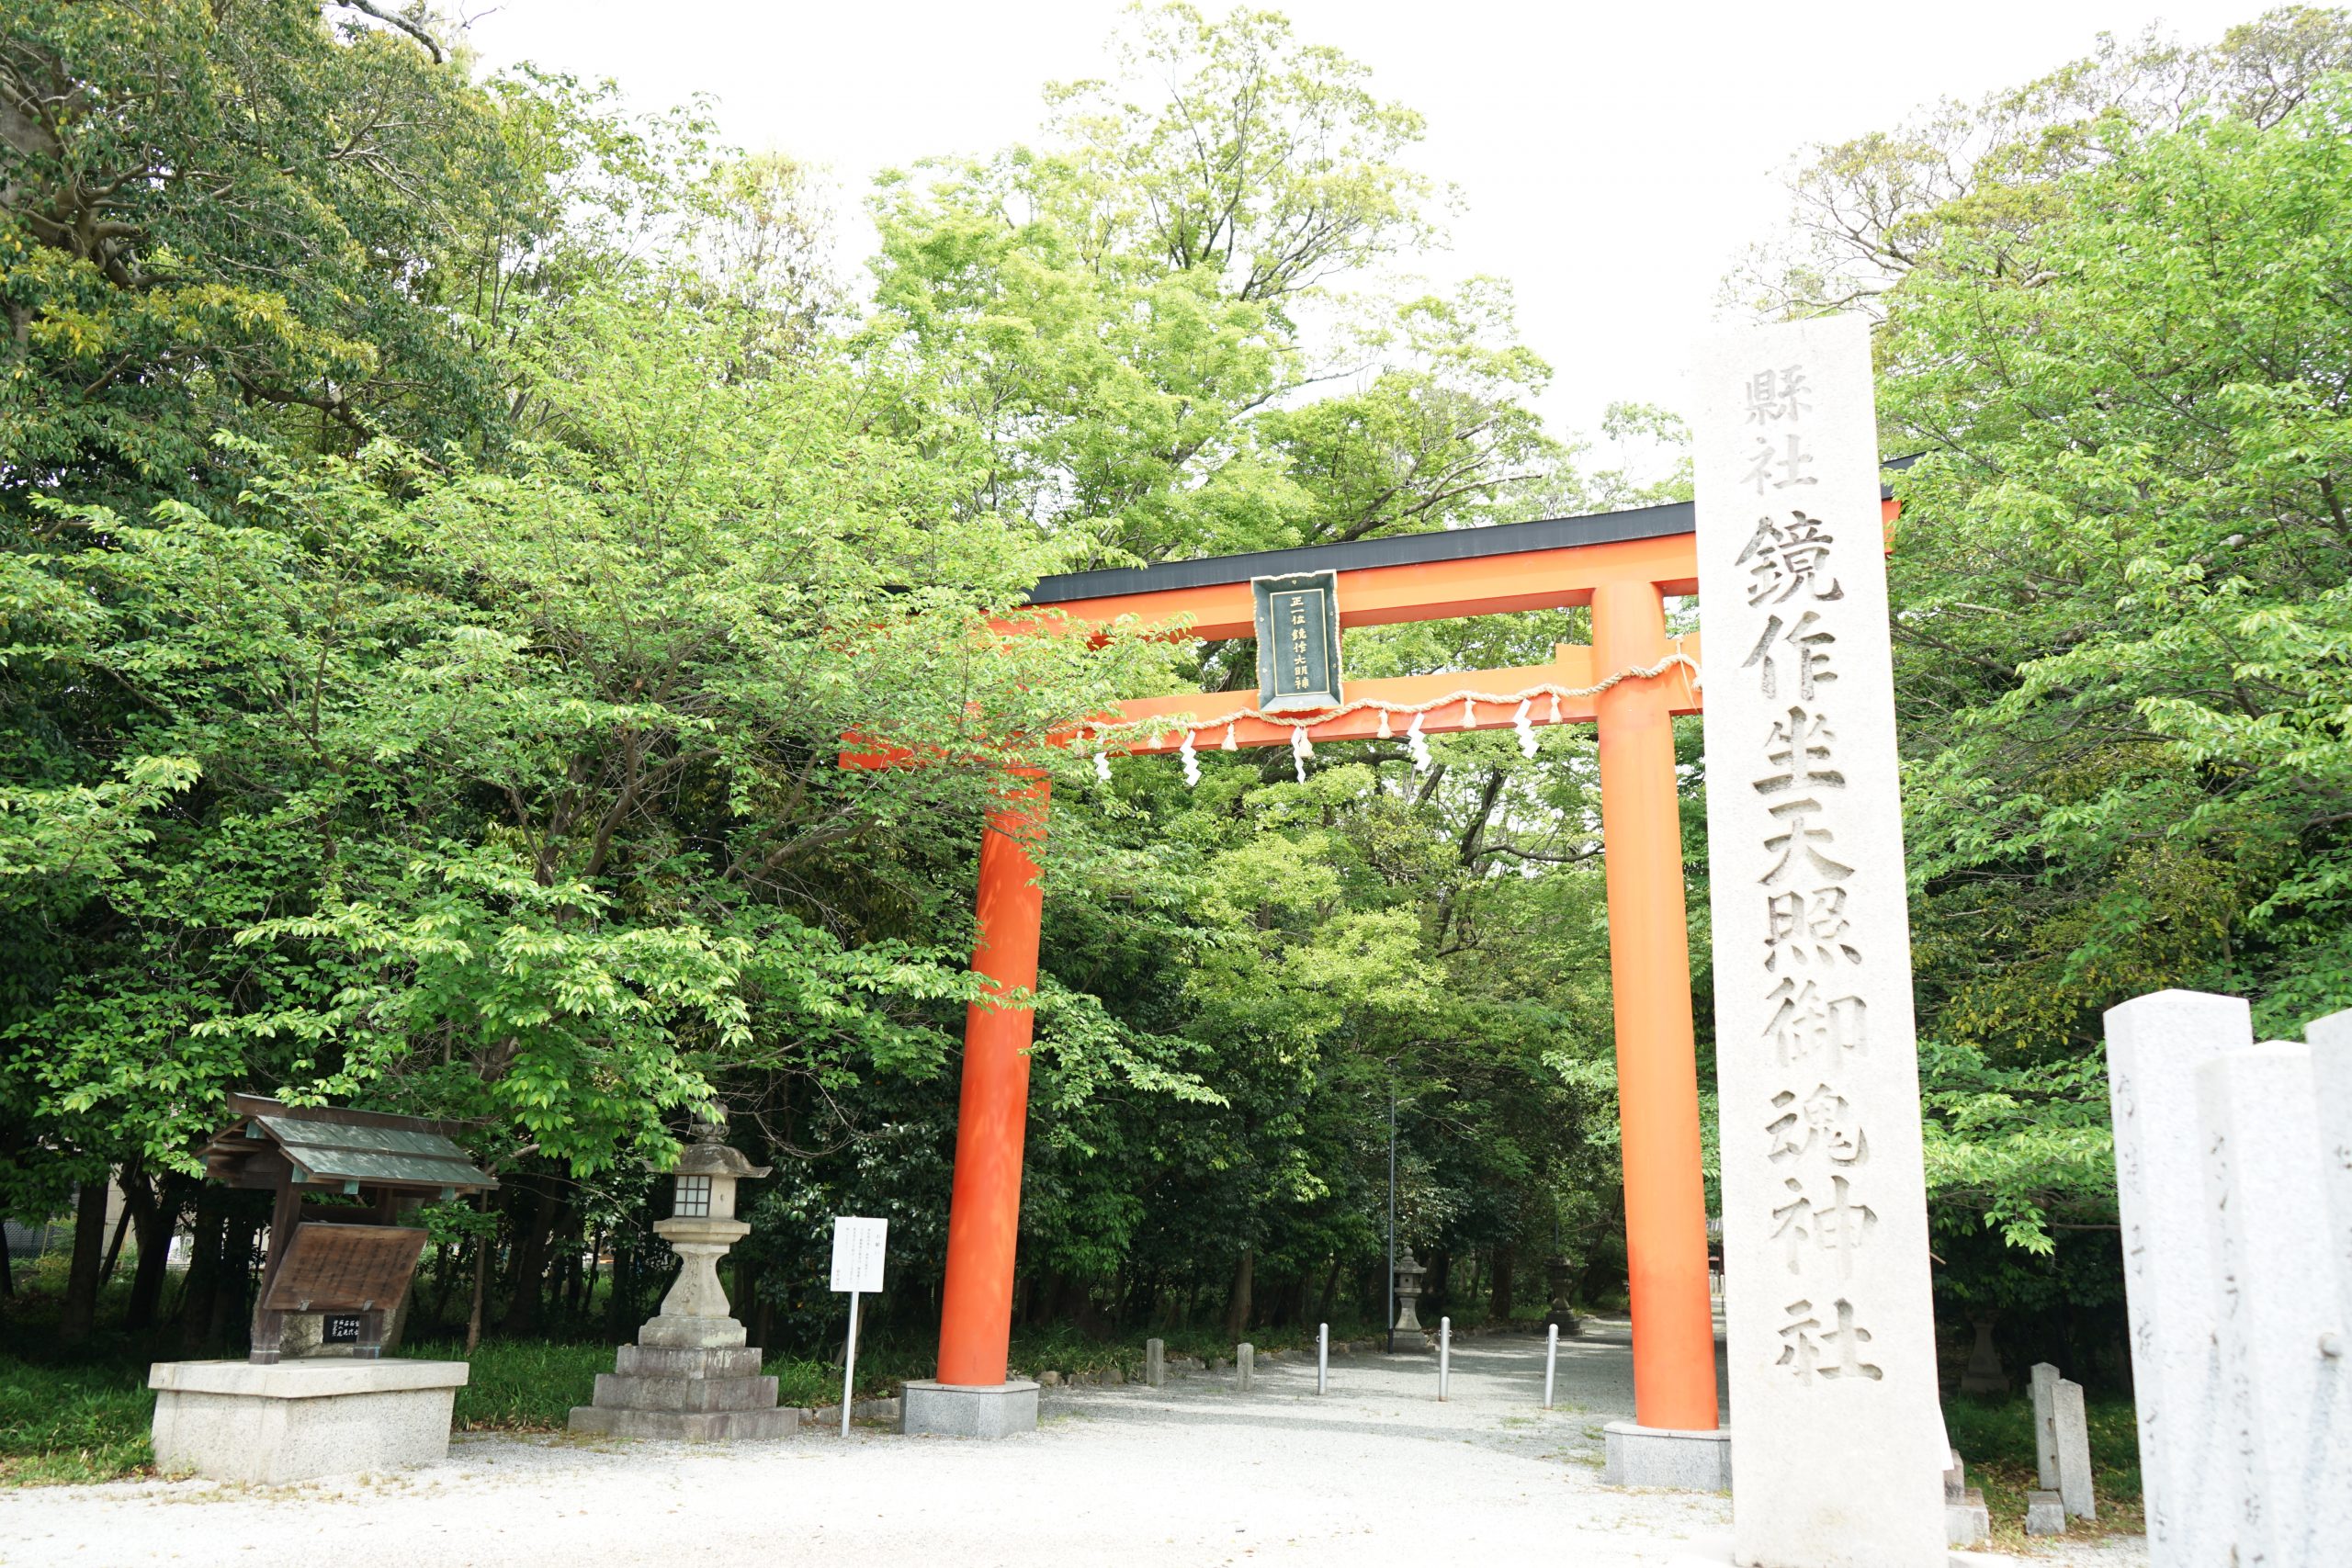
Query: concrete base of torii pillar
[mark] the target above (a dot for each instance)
(929, 1408)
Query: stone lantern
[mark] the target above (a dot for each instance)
(1557, 1276)
(702, 1226)
(690, 1374)
(1406, 1334)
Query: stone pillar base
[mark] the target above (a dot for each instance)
(687, 1378)
(1659, 1456)
(930, 1409)
(297, 1420)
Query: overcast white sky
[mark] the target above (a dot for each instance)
(1615, 158)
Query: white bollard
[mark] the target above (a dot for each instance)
(1551, 1360)
(1445, 1353)
(1322, 1357)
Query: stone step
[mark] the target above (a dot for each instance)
(685, 1425)
(654, 1361)
(621, 1391)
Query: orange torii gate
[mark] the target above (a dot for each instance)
(1630, 683)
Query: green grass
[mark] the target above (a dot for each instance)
(63, 1425)
(1994, 1436)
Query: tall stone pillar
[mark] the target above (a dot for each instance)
(1840, 1453)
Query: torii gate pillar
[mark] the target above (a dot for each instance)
(992, 1113)
(1649, 972)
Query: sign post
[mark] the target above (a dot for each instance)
(858, 1268)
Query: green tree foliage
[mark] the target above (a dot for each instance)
(2124, 581)
(454, 531)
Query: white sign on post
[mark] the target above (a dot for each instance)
(858, 1268)
(1830, 1338)
(857, 1253)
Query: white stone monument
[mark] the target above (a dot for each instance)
(1831, 1336)
(2154, 1045)
(2233, 1161)
(2289, 1445)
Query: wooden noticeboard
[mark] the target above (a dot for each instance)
(333, 1268)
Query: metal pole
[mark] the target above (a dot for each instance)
(1551, 1360)
(1322, 1357)
(1390, 1322)
(1445, 1354)
(849, 1368)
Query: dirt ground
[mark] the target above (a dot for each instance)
(1376, 1472)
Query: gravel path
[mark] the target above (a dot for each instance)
(1377, 1472)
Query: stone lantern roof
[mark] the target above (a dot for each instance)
(708, 1156)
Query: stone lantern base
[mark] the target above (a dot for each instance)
(687, 1378)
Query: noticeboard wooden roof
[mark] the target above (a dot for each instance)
(330, 1146)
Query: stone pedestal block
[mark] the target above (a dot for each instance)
(1967, 1521)
(689, 1379)
(2045, 1513)
(296, 1420)
(1657, 1456)
(685, 1426)
(682, 1333)
(932, 1409)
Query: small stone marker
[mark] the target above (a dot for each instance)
(2045, 1429)
(2045, 1513)
(1154, 1362)
(1831, 1333)
(1967, 1521)
(2073, 1434)
(1244, 1365)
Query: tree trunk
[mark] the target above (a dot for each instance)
(533, 1229)
(81, 1309)
(1500, 1303)
(482, 1288)
(616, 1305)
(1330, 1288)
(1237, 1303)
(232, 1297)
(203, 1277)
(114, 1248)
(154, 1207)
